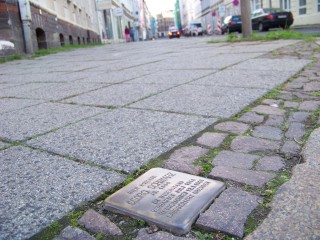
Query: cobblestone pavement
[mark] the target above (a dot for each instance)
(75, 125)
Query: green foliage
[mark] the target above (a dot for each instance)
(316, 94)
(201, 235)
(216, 41)
(10, 58)
(232, 37)
(140, 223)
(274, 35)
(273, 185)
(99, 236)
(74, 217)
(49, 233)
(273, 93)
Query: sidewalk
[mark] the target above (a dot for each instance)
(72, 132)
(254, 154)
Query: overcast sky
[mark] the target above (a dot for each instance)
(158, 6)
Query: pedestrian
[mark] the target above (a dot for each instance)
(132, 33)
(127, 34)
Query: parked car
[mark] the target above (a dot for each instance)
(173, 32)
(195, 29)
(231, 24)
(265, 18)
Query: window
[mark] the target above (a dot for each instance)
(255, 4)
(285, 4)
(302, 7)
(318, 5)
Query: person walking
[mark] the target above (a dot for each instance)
(132, 33)
(127, 34)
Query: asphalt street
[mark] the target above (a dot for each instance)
(73, 125)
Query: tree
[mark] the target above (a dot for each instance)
(246, 18)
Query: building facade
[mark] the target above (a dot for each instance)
(48, 23)
(305, 12)
(164, 22)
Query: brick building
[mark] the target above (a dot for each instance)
(50, 23)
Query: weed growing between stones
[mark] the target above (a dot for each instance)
(316, 94)
(50, 232)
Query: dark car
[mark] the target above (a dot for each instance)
(265, 18)
(173, 32)
(231, 24)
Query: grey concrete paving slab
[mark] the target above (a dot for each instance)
(38, 188)
(217, 62)
(51, 91)
(202, 100)
(122, 139)
(172, 77)
(265, 64)
(118, 94)
(109, 76)
(12, 104)
(31, 121)
(2, 145)
(39, 78)
(240, 78)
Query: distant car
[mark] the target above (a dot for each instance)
(265, 18)
(195, 29)
(173, 32)
(231, 24)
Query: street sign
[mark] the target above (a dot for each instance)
(222, 10)
(118, 12)
(103, 4)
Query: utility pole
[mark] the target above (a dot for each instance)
(246, 18)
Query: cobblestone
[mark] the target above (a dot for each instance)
(252, 144)
(212, 139)
(309, 105)
(182, 160)
(144, 235)
(268, 110)
(271, 102)
(289, 104)
(72, 233)
(234, 159)
(251, 117)
(267, 132)
(290, 147)
(229, 212)
(270, 163)
(296, 130)
(274, 120)
(97, 223)
(299, 117)
(232, 127)
(312, 87)
(253, 178)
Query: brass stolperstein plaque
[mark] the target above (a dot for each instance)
(166, 198)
